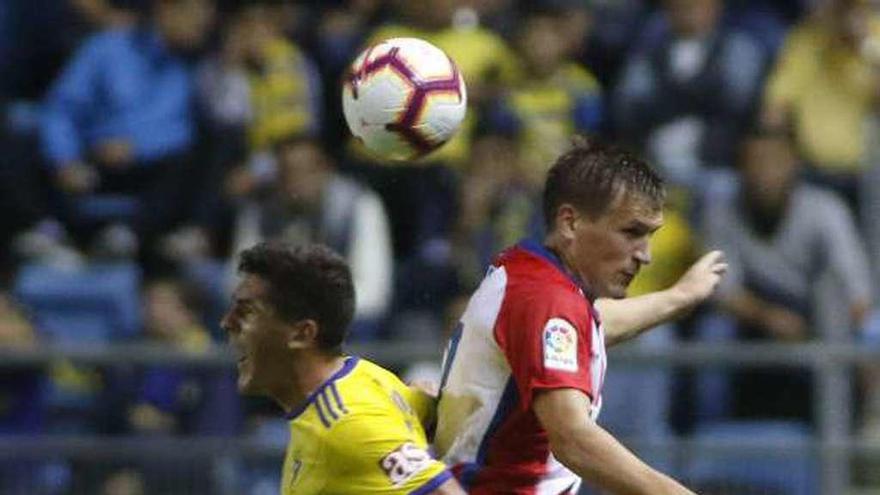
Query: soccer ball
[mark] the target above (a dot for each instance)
(403, 98)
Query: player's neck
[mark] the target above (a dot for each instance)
(554, 244)
(310, 371)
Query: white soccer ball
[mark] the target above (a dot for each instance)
(403, 98)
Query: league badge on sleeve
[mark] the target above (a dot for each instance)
(560, 345)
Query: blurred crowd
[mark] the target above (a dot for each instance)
(143, 143)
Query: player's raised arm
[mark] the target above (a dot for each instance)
(624, 319)
(591, 452)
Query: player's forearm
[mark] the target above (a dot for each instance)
(624, 319)
(599, 458)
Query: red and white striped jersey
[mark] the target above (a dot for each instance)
(528, 327)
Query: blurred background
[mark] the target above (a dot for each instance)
(144, 142)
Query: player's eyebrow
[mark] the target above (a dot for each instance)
(644, 227)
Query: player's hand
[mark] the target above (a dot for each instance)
(784, 325)
(701, 279)
(76, 178)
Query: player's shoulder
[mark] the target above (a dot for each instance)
(375, 404)
(359, 388)
(533, 271)
(369, 390)
(369, 378)
(539, 288)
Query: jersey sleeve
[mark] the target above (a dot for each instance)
(547, 340)
(376, 452)
(424, 406)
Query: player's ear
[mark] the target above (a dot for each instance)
(566, 218)
(302, 335)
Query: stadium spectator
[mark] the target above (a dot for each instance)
(20, 402)
(825, 84)
(523, 376)
(21, 394)
(613, 29)
(259, 88)
(498, 206)
(119, 121)
(685, 98)
(313, 202)
(783, 236)
(168, 398)
(36, 37)
(260, 84)
(555, 98)
(334, 39)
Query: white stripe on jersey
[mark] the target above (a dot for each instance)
(477, 376)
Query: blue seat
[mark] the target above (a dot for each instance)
(107, 208)
(52, 477)
(790, 473)
(97, 304)
(86, 307)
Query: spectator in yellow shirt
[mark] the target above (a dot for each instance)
(256, 91)
(826, 82)
(556, 97)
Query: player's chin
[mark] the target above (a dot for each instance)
(617, 290)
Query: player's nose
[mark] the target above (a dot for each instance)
(642, 255)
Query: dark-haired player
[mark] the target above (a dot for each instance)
(354, 427)
(522, 379)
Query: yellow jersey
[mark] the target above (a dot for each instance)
(361, 433)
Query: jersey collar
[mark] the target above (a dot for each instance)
(347, 366)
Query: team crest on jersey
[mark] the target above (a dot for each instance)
(560, 345)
